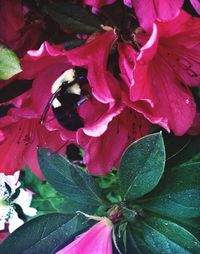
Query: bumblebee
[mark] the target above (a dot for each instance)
(67, 96)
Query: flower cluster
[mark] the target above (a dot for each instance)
(9, 185)
(137, 75)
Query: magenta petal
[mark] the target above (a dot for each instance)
(97, 240)
(42, 58)
(149, 10)
(127, 58)
(12, 20)
(170, 99)
(94, 56)
(196, 5)
(124, 129)
(98, 3)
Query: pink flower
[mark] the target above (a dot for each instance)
(21, 134)
(16, 32)
(98, 3)
(167, 62)
(103, 149)
(148, 11)
(104, 114)
(3, 235)
(112, 122)
(104, 86)
(97, 240)
(49, 63)
(196, 5)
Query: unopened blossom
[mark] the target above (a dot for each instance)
(97, 240)
(8, 214)
(167, 64)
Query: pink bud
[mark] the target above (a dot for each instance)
(97, 240)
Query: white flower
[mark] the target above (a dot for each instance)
(8, 186)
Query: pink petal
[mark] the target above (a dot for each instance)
(98, 3)
(149, 10)
(97, 116)
(170, 100)
(97, 240)
(124, 129)
(104, 86)
(127, 57)
(196, 5)
(21, 142)
(12, 20)
(42, 58)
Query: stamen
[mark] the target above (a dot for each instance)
(187, 65)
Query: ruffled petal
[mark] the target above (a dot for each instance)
(94, 56)
(104, 152)
(149, 10)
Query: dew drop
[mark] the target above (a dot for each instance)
(187, 101)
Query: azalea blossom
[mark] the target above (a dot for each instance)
(98, 3)
(167, 64)
(148, 11)
(103, 113)
(17, 32)
(8, 214)
(97, 240)
(21, 133)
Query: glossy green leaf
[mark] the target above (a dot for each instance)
(9, 63)
(163, 236)
(73, 17)
(142, 166)
(73, 182)
(45, 198)
(45, 234)
(179, 150)
(71, 207)
(178, 193)
(135, 243)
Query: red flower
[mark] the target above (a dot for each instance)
(167, 62)
(98, 3)
(21, 135)
(17, 33)
(148, 11)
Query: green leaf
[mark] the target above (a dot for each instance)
(45, 234)
(74, 43)
(178, 193)
(73, 182)
(163, 236)
(135, 243)
(45, 199)
(181, 149)
(73, 17)
(9, 63)
(71, 207)
(142, 166)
